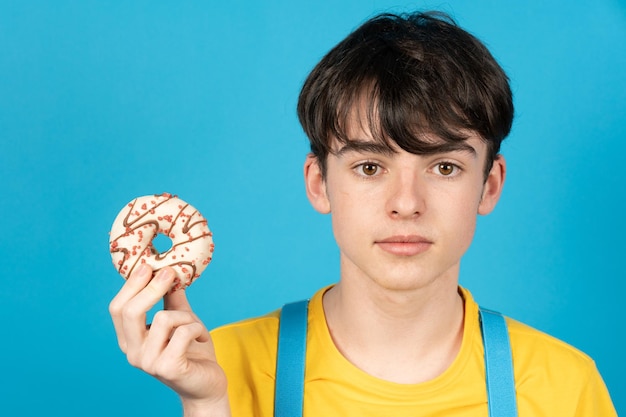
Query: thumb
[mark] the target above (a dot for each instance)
(176, 300)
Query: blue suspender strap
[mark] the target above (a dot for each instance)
(498, 365)
(290, 360)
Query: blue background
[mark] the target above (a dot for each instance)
(102, 101)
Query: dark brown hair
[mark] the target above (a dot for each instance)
(420, 75)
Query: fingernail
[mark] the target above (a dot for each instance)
(143, 270)
(164, 274)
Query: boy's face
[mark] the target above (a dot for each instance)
(403, 221)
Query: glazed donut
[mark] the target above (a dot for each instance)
(139, 222)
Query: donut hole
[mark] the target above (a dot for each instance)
(162, 243)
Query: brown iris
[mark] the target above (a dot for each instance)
(369, 169)
(445, 168)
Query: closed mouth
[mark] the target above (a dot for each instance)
(404, 245)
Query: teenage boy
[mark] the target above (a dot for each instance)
(405, 118)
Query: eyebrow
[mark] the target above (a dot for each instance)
(454, 147)
(361, 146)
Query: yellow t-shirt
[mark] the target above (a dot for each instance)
(551, 378)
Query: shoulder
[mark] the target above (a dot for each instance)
(555, 377)
(534, 350)
(250, 330)
(246, 351)
(532, 346)
(241, 344)
(253, 340)
(552, 377)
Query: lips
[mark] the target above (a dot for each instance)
(401, 245)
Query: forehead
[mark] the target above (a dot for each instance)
(360, 137)
(361, 127)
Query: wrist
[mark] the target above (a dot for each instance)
(206, 408)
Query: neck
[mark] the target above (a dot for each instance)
(406, 335)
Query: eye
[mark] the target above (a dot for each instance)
(368, 169)
(446, 168)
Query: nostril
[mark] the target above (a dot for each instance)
(408, 215)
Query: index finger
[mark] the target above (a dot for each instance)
(133, 317)
(135, 283)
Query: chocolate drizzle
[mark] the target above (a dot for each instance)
(141, 225)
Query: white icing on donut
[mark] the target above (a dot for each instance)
(142, 219)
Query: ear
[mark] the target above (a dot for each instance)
(493, 186)
(315, 185)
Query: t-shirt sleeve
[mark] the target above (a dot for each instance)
(595, 400)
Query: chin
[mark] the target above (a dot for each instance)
(404, 285)
(415, 280)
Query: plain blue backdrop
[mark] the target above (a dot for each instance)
(102, 101)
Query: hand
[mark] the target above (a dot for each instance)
(176, 348)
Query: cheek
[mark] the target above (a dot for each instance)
(345, 213)
(350, 215)
(467, 231)
(471, 217)
(461, 221)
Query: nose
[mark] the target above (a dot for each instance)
(406, 196)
